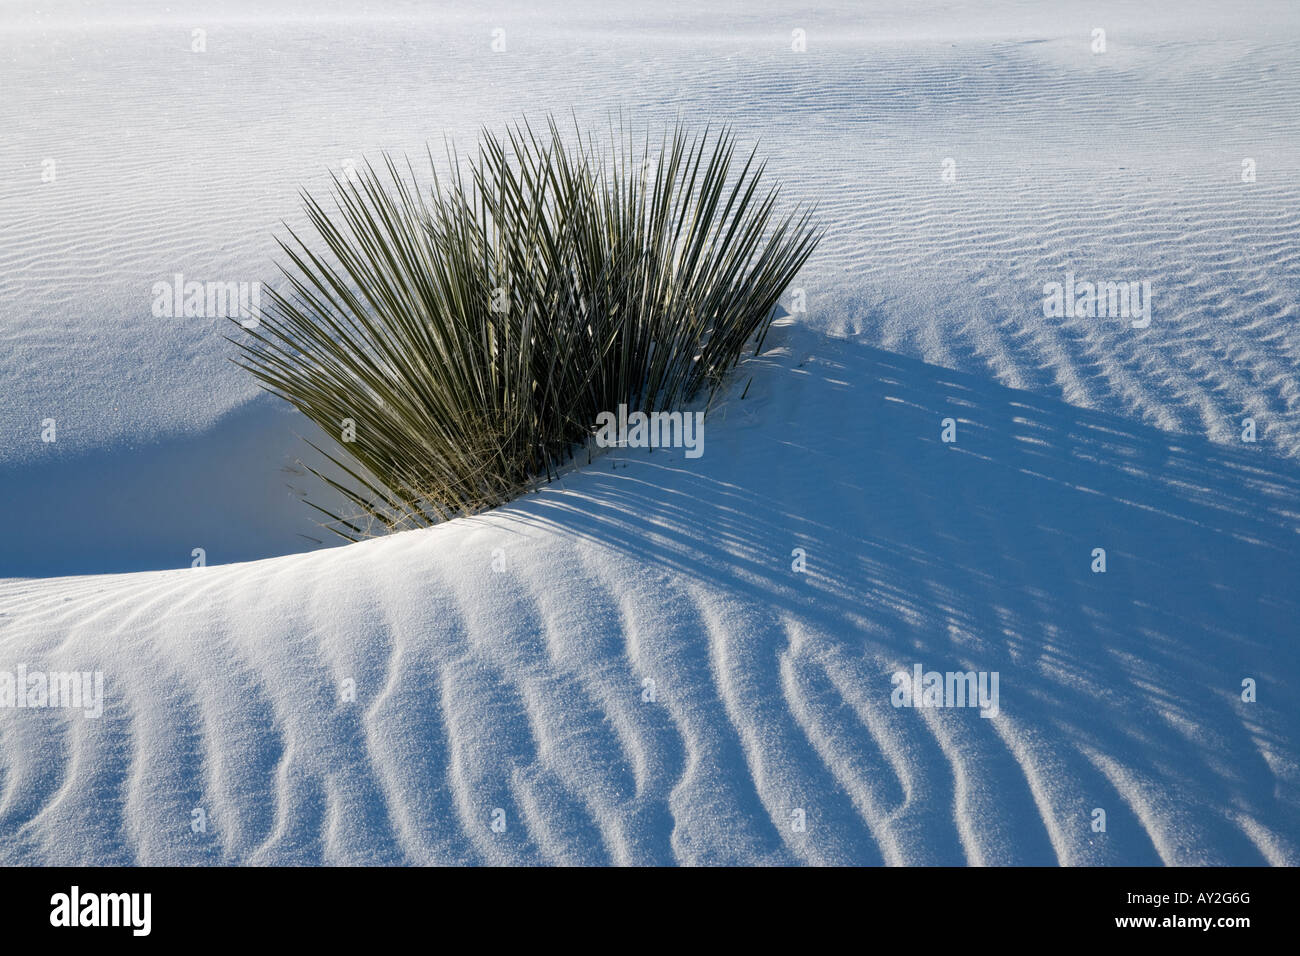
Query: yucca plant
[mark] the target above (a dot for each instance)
(472, 332)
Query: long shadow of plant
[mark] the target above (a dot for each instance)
(980, 554)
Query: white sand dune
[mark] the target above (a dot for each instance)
(522, 689)
(1121, 166)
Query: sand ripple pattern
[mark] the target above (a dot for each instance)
(1121, 166)
(501, 662)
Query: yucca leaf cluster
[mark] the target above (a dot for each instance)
(460, 339)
